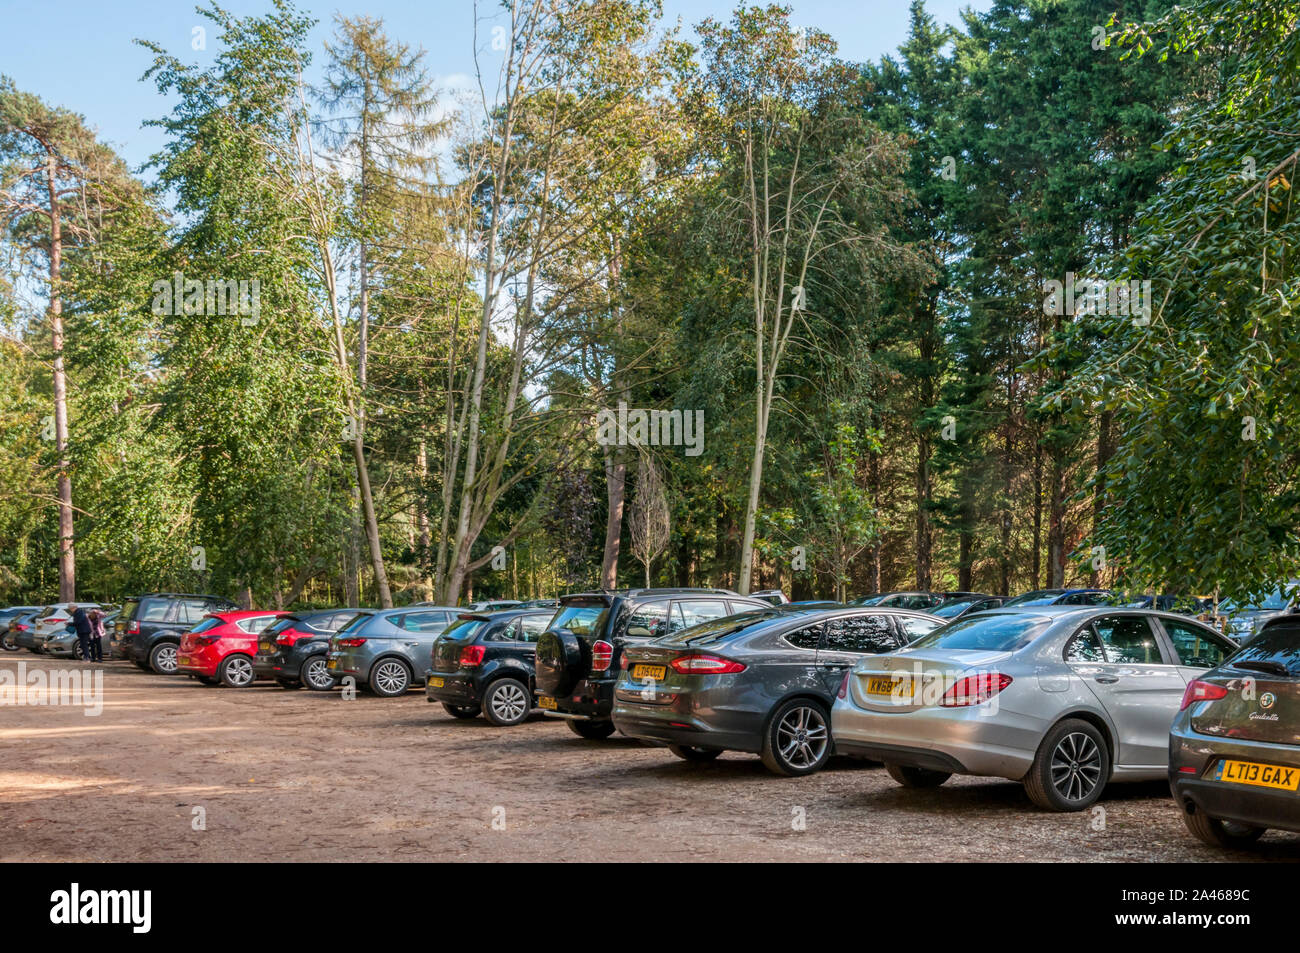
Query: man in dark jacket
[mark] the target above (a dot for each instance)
(81, 622)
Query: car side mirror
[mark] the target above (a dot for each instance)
(638, 631)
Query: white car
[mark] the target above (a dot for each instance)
(55, 618)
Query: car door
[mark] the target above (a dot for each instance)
(1137, 684)
(846, 639)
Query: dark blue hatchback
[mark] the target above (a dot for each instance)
(483, 663)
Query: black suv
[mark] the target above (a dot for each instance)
(483, 662)
(149, 627)
(579, 656)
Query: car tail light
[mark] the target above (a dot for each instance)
(602, 653)
(1199, 691)
(351, 643)
(844, 685)
(700, 664)
(133, 627)
(974, 689)
(471, 656)
(287, 637)
(207, 639)
(20, 628)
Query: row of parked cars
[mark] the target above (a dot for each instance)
(1063, 691)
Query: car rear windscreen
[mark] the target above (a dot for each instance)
(985, 633)
(581, 619)
(1279, 644)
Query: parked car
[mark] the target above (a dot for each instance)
(1061, 597)
(9, 616)
(911, 599)
(539, 604)
(1183, 605)
(775, 596)
(1234, 748)
(484, 662)
(150, 626)
(65, 644)
(1064, 699)
(387, 651)
(578, 658)
(491, 605)
(1247, 617)
(761, 681)
(53, 619)
(963, 605)
(292, 649)
(20, 630)
(222, 647)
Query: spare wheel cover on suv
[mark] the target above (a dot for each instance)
(559, 662)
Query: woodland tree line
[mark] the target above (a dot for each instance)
(842, 266)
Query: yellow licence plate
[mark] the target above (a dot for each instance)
(1261, 775)
(901, 687)
(547, 702)
(436, 683)
(644, 673)
(332, 663)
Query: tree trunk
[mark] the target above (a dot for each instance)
(372, 524)
(615, 491)
(924, 537)
(1104, 450)
(67, 556)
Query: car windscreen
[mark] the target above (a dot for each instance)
(211, 622)
(994, 632)
(355, 623)
(279, 625)
(952, 607)
(726, 627)
(870, 600)
(1276, 647)
(1274, 601)
(1034, 599)
(581, 619)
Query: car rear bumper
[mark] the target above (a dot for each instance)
(959, 740)
(455, 689)
(589, 699)
(198, 661)
(1226, 800)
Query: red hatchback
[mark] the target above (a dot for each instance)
(222, 647)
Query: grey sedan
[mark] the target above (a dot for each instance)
(1063, 699)
(384, 650)
(760, 681)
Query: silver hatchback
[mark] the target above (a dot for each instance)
(1063, 699)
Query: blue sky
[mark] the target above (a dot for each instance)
(79, 53)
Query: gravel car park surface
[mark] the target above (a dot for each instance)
(307, 776)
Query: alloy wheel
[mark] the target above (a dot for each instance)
(239, 672)
(509, 701)
(316, 674)
(166, 659)
(390, 677)
(802, 737)
(1076, 766)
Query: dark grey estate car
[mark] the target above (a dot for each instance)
(759, 681)
(578, 658)
(1234, 748)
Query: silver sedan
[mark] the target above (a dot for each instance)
(1061, 698)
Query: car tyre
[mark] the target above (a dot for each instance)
(797, 740)
(591, 730)
(315, 674)
(1071, 768)
(236, 671)
(507, 702)
(695, 754)
(162, 658)
(1216, 833)
(916, 777)
(461, 711)
(9, 643)
(389, 678)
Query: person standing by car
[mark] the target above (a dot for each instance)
(81, 622)
(96, 636)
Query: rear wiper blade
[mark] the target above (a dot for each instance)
(714, 635)
(1273, 668)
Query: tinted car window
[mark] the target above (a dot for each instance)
(809, 637)
(463, 629)
(361, 619)
(1084, 647)
(860, 633)
(531, 626)
(190, 611)
(1195, 647)
(914, 628)
(991, 633)
(695, 611)
(209, 623)
(952, 607)
(1128, 640)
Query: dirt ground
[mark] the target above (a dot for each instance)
(297, 775)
